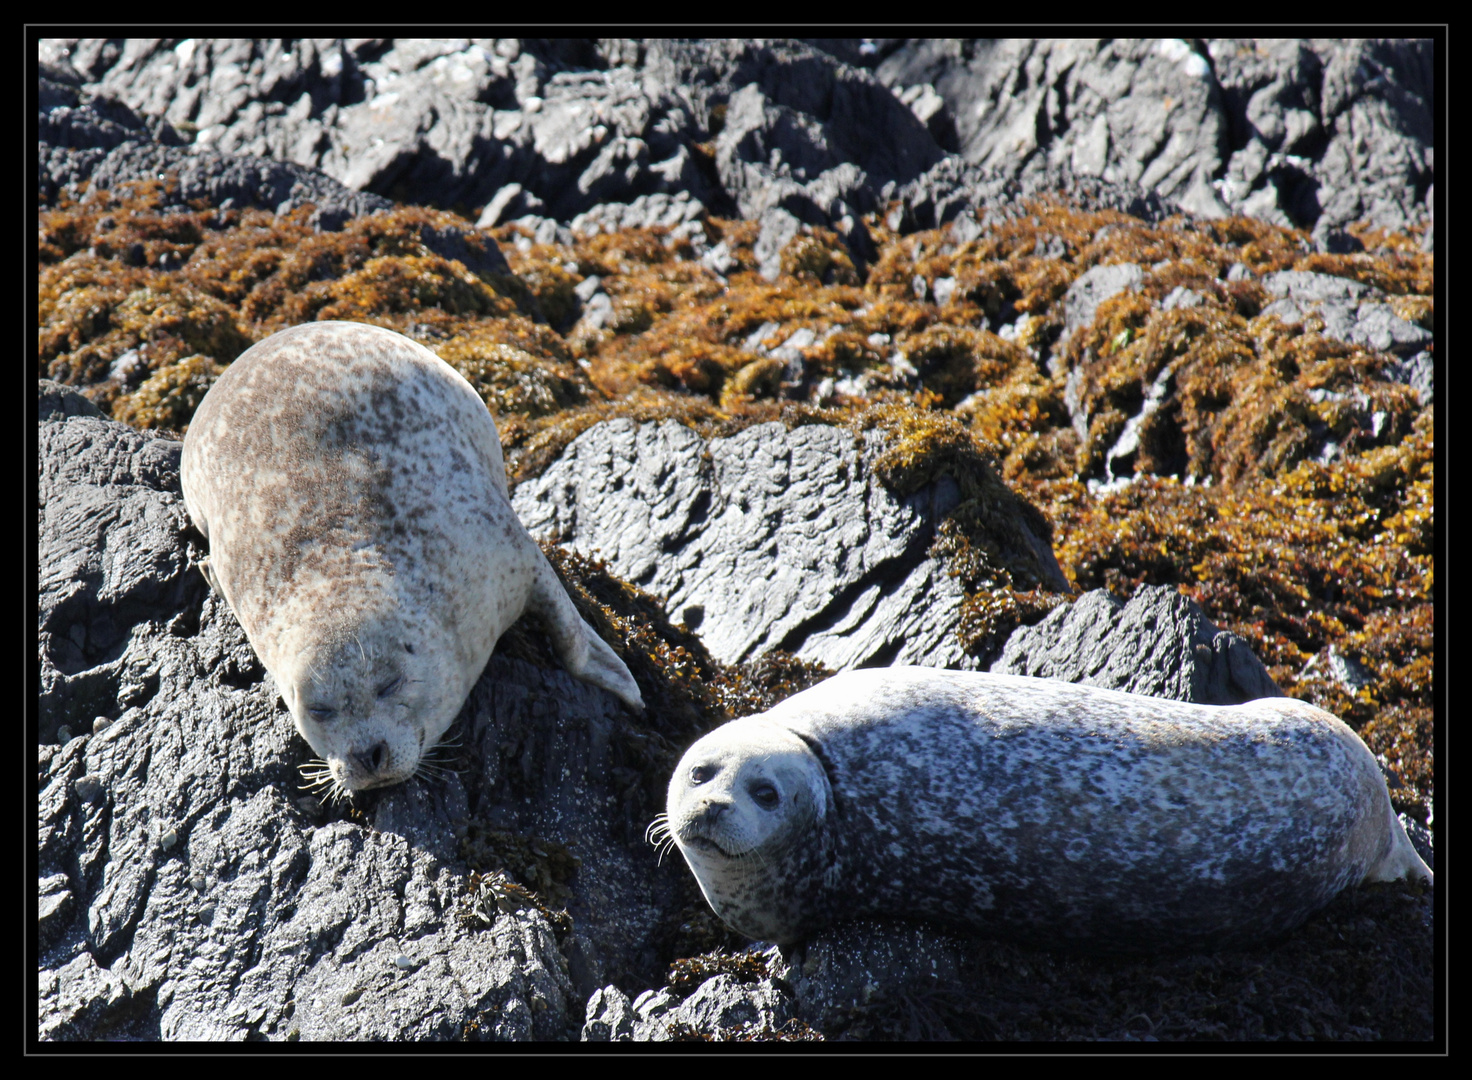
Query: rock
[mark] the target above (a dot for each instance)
(645, 212)
(1092, 288)
(833, 567)
(1345, 670)
(1317, 134)
(1350, 311)
(1417, 372)
(1008, 100)
(1160, 643)
(779, 228)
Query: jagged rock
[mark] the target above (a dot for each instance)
(1311, 133)
(720, 1008)
(1160, 643)
(645, 212)
(1316, 134)
(831, 566)
(1092, 108)
(1351, 311)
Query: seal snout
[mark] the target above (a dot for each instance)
(374, 760)
(710, 816)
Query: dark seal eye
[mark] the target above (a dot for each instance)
(765, 796)
(321, 712)
(701, 773)
(388, 688)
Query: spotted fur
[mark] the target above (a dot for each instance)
(1047, 811)
(352, 489)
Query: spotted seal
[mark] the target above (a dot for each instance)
(351, 486)
(1040, 810)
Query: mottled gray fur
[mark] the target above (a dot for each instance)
(1051, 812)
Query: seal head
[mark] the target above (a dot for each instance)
(751, 825)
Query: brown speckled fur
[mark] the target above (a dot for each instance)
(352, 489)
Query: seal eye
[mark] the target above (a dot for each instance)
(388, 688)
(765, 796)
(701, 773)
(321, 712)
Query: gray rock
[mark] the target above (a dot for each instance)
(1092, 288)
(1419, 373)
(1346, 670)
(1350, 310)
(1160, 643)
(1091, 108)
(1310, 287)
(832, 567)
(645, 212)
(1312, 133)
(855, 964)
(609, 1017)
(779, 228)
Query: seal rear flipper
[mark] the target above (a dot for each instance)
(585, 655)
(1401, 858)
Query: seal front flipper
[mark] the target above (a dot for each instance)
(209, 575)
(585, 655)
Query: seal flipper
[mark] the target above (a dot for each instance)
(209, 575)
(585, 655)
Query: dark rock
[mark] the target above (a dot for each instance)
(1160, 643)
(833, 567)
(248, 181)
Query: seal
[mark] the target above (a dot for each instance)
(1051, 812)
(351, 487)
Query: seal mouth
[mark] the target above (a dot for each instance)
(707, 845)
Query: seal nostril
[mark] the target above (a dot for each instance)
(374, 758)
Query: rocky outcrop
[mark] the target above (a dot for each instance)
(1317, 134)
(768, 539)
(187, 888)
(1160, 644)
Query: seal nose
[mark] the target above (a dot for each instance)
(713, 811)
(374, 759)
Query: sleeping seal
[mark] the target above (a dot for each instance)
(351, 487)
